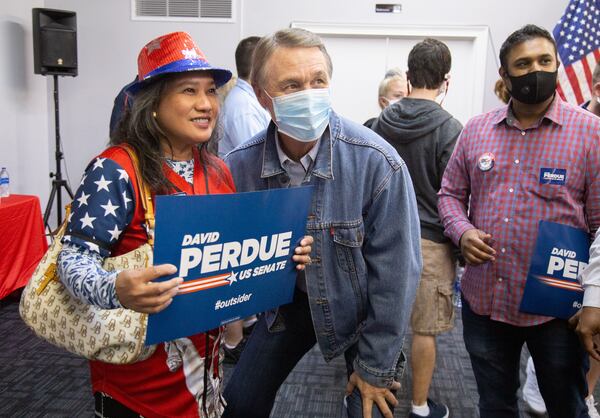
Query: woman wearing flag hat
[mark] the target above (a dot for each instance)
(171, 127)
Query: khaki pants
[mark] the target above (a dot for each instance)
(433, 311)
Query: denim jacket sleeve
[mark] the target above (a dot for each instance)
(392, 251)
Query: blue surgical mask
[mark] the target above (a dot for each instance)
(303, 115)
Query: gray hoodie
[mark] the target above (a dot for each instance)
(424, 135)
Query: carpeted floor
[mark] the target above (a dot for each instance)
(40, 380)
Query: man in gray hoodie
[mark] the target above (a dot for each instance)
(424, 135)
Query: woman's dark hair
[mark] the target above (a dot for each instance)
(501, 91)
(139, 128)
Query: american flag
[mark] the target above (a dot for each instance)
(577, 36)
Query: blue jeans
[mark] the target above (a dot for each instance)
(270, 356)
(495, 351)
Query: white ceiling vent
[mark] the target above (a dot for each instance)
(216, 8)
(183, 10)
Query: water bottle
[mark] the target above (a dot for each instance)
(4, 183)
(456, 296)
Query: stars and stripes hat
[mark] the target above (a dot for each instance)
(173, 53)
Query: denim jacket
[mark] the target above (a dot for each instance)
(366, 258)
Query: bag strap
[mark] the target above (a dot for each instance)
(145, 194)
(51, 272)
(205, 171)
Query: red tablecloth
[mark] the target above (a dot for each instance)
(22, 241)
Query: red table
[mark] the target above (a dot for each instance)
(22, 241)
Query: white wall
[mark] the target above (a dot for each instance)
(362, 53)
(108, 43)
(24, 112)
(502, 16)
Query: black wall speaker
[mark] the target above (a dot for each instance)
(54, 42)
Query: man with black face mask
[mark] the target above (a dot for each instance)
(493, 195)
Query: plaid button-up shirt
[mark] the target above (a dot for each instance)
(509, 199)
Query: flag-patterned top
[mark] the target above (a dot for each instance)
(577, 36)
(182, 376)
(102, 209)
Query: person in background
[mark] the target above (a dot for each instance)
(531, 392)
(122, 102)
(491, 202)
(588, 320)
(243, 117)
(424, 135)
(593, 105)
(586, 323)
(356, 296)
(226, 88)
(169, 127)
(392, 89)
(501, 92)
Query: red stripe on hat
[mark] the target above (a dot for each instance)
(165, 50)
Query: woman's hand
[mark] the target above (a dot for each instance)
(302, 253)
(136, 290)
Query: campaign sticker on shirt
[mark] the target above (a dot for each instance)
(486, 161)
(553, 175)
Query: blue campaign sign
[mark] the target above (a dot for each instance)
(234, 252)
(552, 289)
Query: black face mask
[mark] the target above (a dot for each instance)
(533, 88)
